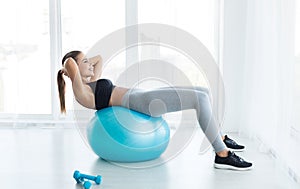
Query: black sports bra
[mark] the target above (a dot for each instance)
(102, 90)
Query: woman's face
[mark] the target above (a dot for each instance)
(85, 67)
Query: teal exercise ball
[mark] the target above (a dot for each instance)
(123, 135)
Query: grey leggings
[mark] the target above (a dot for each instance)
(159, 101)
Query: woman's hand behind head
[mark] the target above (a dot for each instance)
(64, 71)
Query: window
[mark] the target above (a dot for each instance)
(25, 86)
(197, 17)
(84, 23)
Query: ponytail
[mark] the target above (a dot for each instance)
(61, 91)
(61, 82)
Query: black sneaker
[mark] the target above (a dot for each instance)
(232, 145)
(232, 161)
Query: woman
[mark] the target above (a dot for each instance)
(94, 93)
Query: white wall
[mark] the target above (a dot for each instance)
(233, 60)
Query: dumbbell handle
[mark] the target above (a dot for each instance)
(97, 178)
(90, 177)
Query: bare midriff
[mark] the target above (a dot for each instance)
(117, 95)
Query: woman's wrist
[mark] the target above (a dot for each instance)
(95, 60)
(64, 71)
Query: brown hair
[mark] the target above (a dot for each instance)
(61, 82)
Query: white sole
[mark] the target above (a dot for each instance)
(230, 167)
(236, 150)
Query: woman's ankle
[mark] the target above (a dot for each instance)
(223, 137)
(223, 153)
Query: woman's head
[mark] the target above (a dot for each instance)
(85, 67)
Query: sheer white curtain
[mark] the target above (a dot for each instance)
(267, 91)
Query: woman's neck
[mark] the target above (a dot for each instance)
(86, 79)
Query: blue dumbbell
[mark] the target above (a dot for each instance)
(79, 177)
(87, 185)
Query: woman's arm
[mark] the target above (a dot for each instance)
(82, 94)
(97, 63)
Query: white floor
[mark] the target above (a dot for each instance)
(38, 158)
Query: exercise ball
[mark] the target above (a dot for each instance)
(123, 135)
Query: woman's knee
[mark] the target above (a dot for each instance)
(203, 95)
(206, 91)
(203, 101)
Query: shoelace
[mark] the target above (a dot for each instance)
(237, 157)
(231, 141)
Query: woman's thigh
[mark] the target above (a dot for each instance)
(163, 100)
